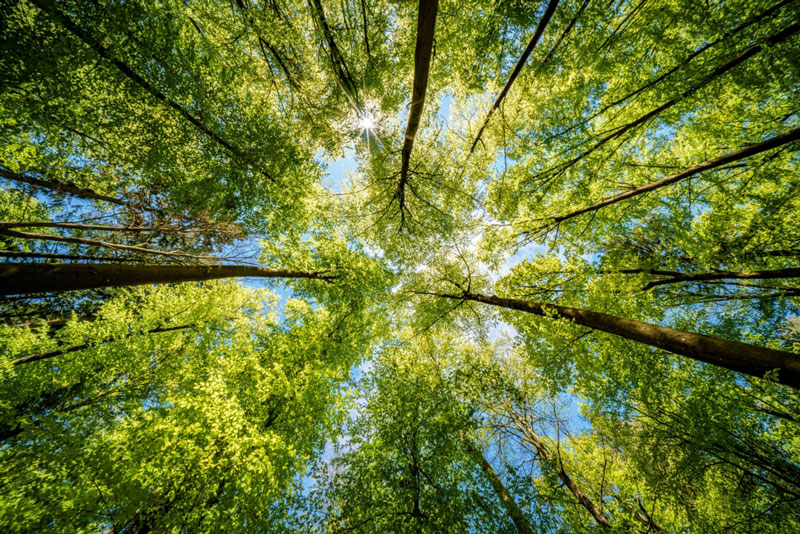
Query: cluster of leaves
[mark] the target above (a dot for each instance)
(434, 360)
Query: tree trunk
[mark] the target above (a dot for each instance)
(426, 26)
(523, 527)
(734, 355)
(751, 150)
(548, 12)
(556, 464)
(27, 278)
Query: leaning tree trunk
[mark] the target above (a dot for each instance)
(426, 26)
(27, 278)
(734, 355)
(752, 150)
(548, 12)
(513, 509)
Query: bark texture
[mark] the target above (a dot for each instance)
(514, 511)
(426, 26)
(28, 278)
(734, 355)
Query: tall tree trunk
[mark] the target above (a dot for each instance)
(752, 150)
(734, 355)
(548, 13)
(426, 26)
(27, 278)
(513, 510)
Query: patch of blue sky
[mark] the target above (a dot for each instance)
(338, 171)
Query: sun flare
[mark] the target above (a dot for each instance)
(366, 122)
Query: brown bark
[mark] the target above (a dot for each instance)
(734, 355)
(751, 150)
(511, 507)
(426, 26)
(548, 13)
(27, 278)
(83, 346)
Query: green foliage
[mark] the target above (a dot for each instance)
(373, 395)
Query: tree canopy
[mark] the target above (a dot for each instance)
(556, 290)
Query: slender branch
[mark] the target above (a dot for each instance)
(724, 275)
(104, 244)
(55, 185)
(83, 346)
(619, 131)
(49, 256)
(80, 226)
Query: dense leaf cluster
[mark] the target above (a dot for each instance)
(557, 292)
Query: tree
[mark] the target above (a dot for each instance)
(557, 292)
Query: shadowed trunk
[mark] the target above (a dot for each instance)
(26, 278)
(426, 25)
(734, 355)
(514, 511)
(751, 150)
(551, 7)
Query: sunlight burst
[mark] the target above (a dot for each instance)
(366, 122)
